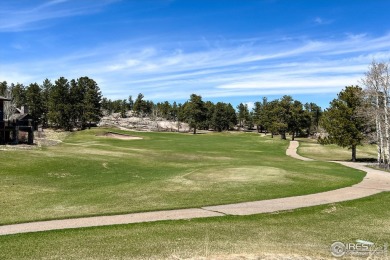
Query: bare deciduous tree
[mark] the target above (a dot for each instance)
(377, 92)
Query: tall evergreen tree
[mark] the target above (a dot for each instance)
(257, 109)
(174, 111)
(45, 96)
(60, 104)
(224, 117)
(279, 117)
(248, 118)
(18, 93)
(284, 114)
(3, 88)
(209, 108)
(195, 111)
(34, 101)
(261, 111)
(139, 104)
(91, 102)
(164, 110)
(242, 114)
(343, 121)
(123, 108)
(232, 116)
(131, 103)
(315, 113)
(76, 98)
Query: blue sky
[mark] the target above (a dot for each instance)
(225, 50)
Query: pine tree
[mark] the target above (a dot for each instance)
(315, 113)
(131, 103)
(299, 119)
(139, 104)
(18, 93)
(60, 105)
(91, 102)
(224, 117)
(242, 113)
(3, 88)
(45, 94)
(34, 101)
(77, 93)
(195, 112)
(343, 122)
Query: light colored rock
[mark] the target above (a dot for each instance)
(143, 123)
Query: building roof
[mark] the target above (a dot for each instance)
(20, 117)
(4, 99)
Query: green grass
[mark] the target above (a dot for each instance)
(311, 149)
(92, 175)
(305, 232)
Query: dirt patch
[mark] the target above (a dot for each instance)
(50, 137)
(332, 208)
(121, 136)
(59, 174)
(242, 174)
(88, 152)
(105, 165)
(237, 175)
(9, 147)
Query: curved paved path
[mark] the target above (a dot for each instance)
(374, 182)
(292, 151)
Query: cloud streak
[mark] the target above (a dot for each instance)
(239, 67)
(321, 21)
(31, 17)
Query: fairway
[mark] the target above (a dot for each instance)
(301, 234)
(310, 148)
(90, 175)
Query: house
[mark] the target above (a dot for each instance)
(19, 122)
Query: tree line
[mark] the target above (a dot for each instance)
(78, 103)
(64, 104)
(280, 116)
(356, 116)
(197, 113)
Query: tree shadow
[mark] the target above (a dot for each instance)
(367, 160)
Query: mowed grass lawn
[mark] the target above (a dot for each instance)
(300, 233)
(312, 149)
(93, 175)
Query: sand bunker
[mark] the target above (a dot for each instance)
(121, 136)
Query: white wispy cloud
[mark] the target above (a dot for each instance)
(26, 17)
(234, 68)
(322, 21)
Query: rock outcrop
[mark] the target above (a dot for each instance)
(133, 122)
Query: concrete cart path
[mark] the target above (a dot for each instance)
(292, 151)
(107, 220)
(375, 182)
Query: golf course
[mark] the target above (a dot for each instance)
(97, 173)
(194, 130)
